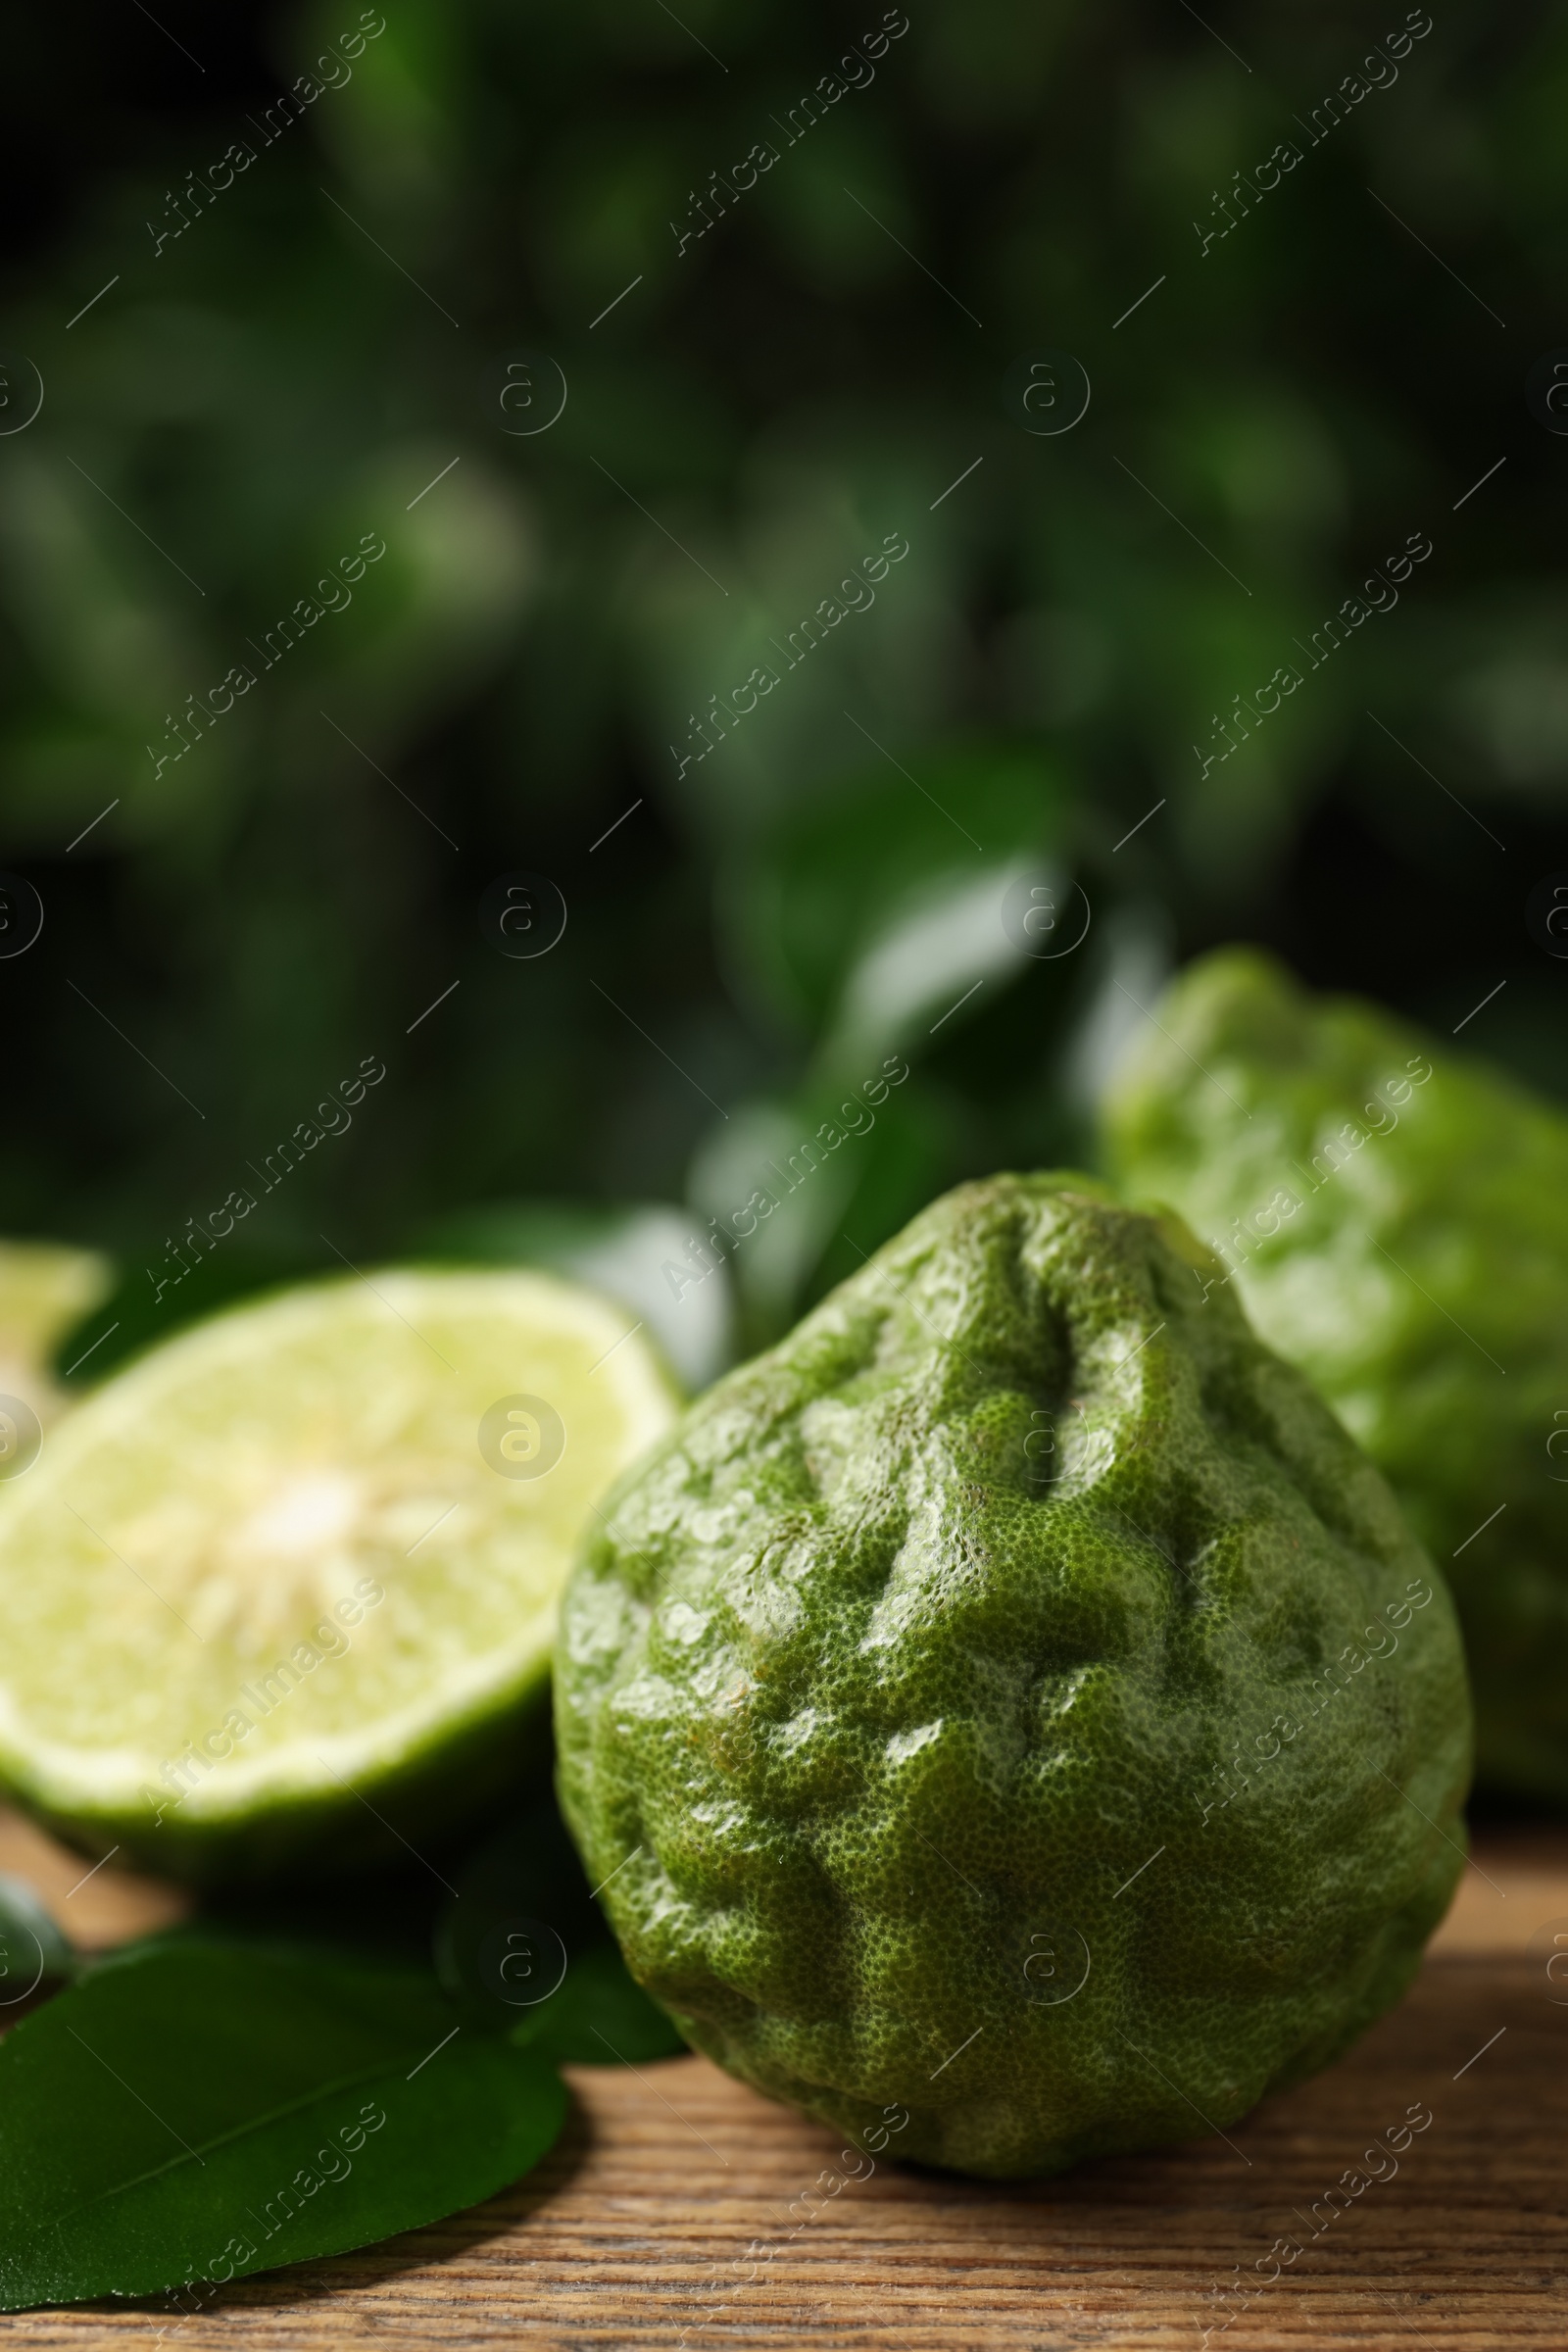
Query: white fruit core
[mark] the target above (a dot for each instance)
(307, 1515)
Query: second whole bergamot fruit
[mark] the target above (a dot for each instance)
(1394, 1215)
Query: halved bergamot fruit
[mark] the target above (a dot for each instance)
(285, 1589)
(44, 1288)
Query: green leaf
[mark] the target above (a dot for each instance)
(600, 2016)
(858, 906)
(619, 1250)
(523, 1946)
(203, 2112)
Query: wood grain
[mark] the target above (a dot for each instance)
(636, 2230)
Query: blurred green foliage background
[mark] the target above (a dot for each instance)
(319, 354)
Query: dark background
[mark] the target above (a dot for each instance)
(247, 402)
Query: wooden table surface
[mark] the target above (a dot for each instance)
(635, 2231)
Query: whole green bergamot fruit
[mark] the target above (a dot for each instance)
(1011, 1719)
(1394, 1219)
